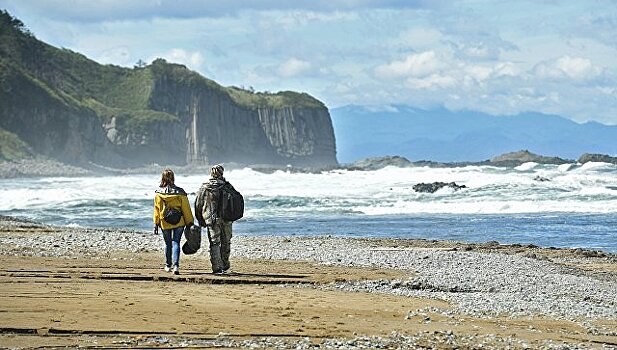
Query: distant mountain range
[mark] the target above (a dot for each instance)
(457, 136)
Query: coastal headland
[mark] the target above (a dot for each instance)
(104, 288)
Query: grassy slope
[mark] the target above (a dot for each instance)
(12, 148)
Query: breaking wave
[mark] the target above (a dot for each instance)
(337, 197)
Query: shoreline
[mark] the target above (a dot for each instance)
(22, 224)
(438, 293)
(494, 246)
(46, 167)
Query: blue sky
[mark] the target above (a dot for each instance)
(499, 57)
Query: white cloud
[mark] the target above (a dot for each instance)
(432, 81)
(293, 19)
(432, 70)
(414, 65)
(293, 67)
(479, 50)
(114, 10)
(191, 59)
(506, 69)
(120, 55)
(478, 73)
(381, 108)
(567, 67)
(423, 37)
(576, 67)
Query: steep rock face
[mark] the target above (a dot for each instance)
(152, 142)
(214, 128)
(68, 107)
(303, 136)
(218, 129)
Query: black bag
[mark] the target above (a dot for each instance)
(171, 215)
(232, 203)
(193, 240)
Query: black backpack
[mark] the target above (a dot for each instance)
(232, 203)
(171, 215)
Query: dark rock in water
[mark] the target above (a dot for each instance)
(594, 157)
(541, 179)
(524, 156)
(435, 186)
(380, 162)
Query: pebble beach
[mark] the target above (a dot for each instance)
(484, 282)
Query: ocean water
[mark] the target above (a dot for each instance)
(576, 208)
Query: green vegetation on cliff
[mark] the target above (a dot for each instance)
(254, 100)
(133, 120)
(131, 92)
(12, 147)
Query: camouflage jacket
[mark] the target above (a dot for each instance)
(207, 204)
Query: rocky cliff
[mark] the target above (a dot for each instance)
(68, 107)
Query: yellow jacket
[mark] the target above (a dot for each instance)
(174, 197)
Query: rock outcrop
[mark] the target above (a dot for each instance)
(72, 109)
(436, 186)
(592, 157)
(379, 162)
(524, 156)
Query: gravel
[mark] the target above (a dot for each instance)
(421, 340)
(479, 284)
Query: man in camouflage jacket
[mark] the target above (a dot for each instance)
(207, 212)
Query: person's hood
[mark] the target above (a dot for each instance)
(171, 191)
(215, 183)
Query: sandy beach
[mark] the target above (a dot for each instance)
(105, 288)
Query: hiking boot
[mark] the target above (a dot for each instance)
(215, 258)
(167, 268)
(176, 270)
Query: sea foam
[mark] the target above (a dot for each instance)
(387, 191)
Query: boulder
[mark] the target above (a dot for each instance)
(435, 186)
(540, 178)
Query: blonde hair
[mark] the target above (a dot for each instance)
(167, 178)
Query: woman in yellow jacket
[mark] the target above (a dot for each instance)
(172, 213)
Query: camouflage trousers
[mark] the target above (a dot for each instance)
(219, 236)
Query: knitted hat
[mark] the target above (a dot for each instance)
(217, 171)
